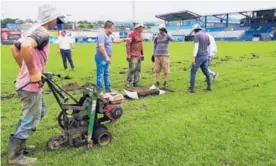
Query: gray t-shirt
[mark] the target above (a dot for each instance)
(107, 41)
(203, 42)
(39, 34)
(161, 44)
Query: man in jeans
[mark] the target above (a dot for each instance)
(135, 55)
(65, 45)
(200, 58)
(32, 57)
(104, 54)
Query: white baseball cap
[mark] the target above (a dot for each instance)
(196, 26)
(138, 25)
(161, 26)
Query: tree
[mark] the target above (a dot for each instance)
(81, 26)
(7, 21)
(100, 22)
(90, 26)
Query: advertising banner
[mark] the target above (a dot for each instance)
(9, 36)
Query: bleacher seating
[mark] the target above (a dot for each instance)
(215, 29)
(232, 33)
(262, 30)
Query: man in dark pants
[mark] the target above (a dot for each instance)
(65, 45)
(200, 58)
(135, 55)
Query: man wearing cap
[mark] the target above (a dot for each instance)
(200, 58)
(32, 54)
(161, 55)
(135, 55)
(104, 54)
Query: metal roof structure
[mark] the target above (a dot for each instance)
(188, 15)
(182, 15)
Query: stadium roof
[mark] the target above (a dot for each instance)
(188, 15)
(239, 12)
(183, 15)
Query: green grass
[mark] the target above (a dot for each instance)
(232, 126)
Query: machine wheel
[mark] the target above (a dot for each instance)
(61, 120)
(101, 136)
(55, 143)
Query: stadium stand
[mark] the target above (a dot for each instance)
(257, 25)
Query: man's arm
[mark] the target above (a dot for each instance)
(16, 55)
(154, 45)
(128, 45)
(196, 41)
(118, 40)
(71, 43)
(209, 48)
(58, 46)
(170, 38)
(27, 53)
(101, 40)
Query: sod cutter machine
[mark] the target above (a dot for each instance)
(86, 121)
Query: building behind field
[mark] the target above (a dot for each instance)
(258, 25)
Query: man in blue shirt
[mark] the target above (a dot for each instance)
(104, 54)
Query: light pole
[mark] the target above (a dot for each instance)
(133, 13)
(69, 15)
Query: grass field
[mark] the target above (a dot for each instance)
(235, 125)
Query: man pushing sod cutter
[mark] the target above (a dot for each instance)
(31, 55)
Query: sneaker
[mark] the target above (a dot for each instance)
(215, 76)
(208, 89)
(190, 90)
(136, 85)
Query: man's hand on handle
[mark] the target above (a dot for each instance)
(37, 79)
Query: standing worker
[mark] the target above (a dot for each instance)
(200, 58)
(104, 54)
(65, 46)
(161, 55)
(135, 55)
(32, 58)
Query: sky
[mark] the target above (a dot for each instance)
(122, 10)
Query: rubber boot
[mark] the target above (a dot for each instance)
(157, 84)
(15, 153)
(28, 148)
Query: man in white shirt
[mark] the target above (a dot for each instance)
(212, 53)
(65, 45)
